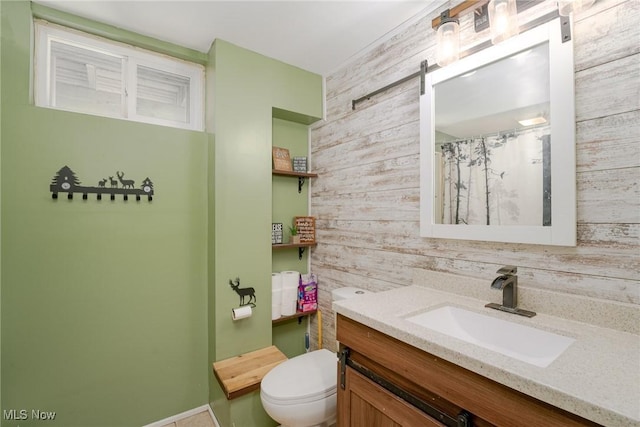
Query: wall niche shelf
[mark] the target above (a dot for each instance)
(301, 247)
(302, 176)
(299, 315)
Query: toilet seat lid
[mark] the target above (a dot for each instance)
(306, 378)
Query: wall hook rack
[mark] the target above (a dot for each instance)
(66, 181)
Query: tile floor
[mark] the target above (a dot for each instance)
(202, 419)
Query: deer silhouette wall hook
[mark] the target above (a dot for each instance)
(66, 181)
(243, 292)
(126, 183)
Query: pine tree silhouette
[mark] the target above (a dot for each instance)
(147, 183)
(65, 174)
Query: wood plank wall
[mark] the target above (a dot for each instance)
(366, 198)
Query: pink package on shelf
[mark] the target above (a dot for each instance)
(308, 293)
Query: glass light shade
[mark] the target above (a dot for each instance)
(448, 43)
(503, 19)
(566, 7)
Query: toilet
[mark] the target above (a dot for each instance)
(301, 392)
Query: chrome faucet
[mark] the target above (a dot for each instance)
(507, 282)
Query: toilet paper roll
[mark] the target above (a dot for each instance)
(289, 308)
(289, 301)
(241, 312)
(276, 281)
(276, 311)
(276, 304)
(290, 279)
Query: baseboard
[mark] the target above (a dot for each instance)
(215, 420)
(186, 414)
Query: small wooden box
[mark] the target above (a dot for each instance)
(281, 159)
(306, 226)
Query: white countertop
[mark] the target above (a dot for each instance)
(597, 377)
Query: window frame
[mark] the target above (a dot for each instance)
(132, 57)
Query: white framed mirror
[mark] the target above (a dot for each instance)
(497, 143)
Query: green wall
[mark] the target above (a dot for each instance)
(104, 304)
(111, 311)
(0, 210)
(246, 87)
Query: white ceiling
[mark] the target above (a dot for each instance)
(317, 36)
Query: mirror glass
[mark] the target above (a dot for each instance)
(498, 143)
(492, 151)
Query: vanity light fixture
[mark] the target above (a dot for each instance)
(503, 20)
(480, 8)
(447, 40)
(567, 7)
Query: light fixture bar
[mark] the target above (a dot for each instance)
(564, 22)
(456, 11)
(564, 26)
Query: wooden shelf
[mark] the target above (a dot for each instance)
(300, 175)
(294, 245)
(242, 374)
(301, 247)
(292, 173)
(299, 315)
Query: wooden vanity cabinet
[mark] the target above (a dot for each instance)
(380, 368)
(364, 403)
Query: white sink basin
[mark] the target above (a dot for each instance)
(521, 342)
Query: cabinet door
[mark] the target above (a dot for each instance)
(364, 403)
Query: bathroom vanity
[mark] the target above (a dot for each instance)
(443, 393)
(392, 370)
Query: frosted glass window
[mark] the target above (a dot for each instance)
(86, 80)
(78, 72)
(163, 95)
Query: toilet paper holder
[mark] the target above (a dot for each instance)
(243, 292)
(241, 312)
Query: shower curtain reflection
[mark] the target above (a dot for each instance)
(495, 180)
